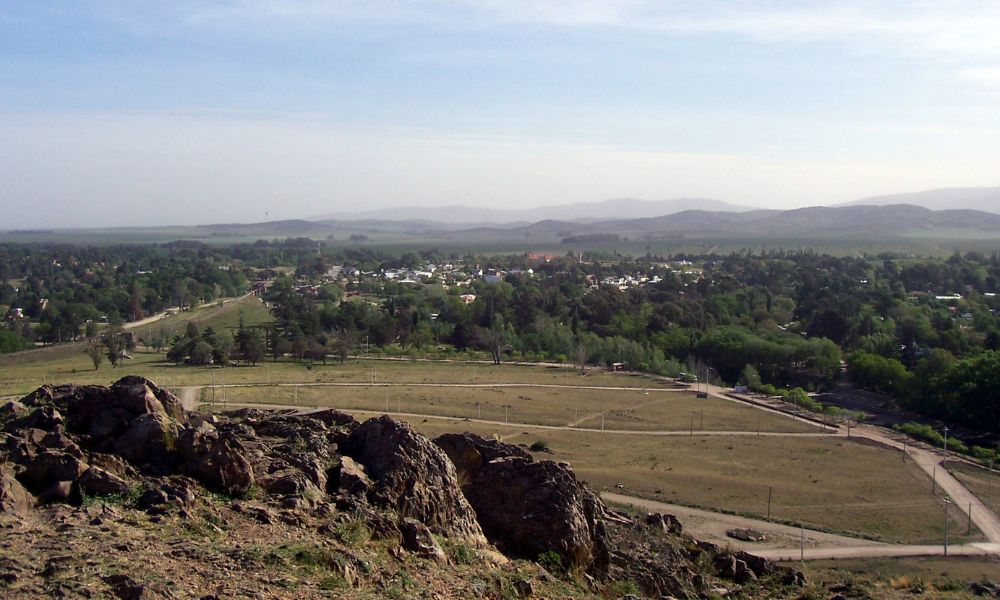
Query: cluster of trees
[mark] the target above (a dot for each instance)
(65, 291)
(207, 347)
(924, 329)
(939, 385)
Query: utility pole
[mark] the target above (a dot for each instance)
(946, 503)
(934, 480)
(802, 543)
(213, 388)
(769, 490)
(602, 422)
(969, 531)
(692, 424)
(946, 439)
(701, 422)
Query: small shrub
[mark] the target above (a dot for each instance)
(617, 589)
(551, 561)
(539, 446)
(353, 532)
(461, 554)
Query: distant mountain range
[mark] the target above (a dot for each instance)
(580, 212)
(986, 199)
(819, 221)
(614, 220)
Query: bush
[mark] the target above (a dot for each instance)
(539, 446)
(551, 561)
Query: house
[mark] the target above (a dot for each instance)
(468, 298)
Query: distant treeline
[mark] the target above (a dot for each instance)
(592, 238)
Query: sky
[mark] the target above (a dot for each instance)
(116, 112)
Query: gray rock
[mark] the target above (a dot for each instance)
(417, 538)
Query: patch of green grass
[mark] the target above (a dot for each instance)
(551, 561)
(124, 499)
(353, 532)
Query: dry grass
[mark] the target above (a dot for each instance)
(825, 483)
(625, 409)
(982, 483)
(26, 375)
(940, 577)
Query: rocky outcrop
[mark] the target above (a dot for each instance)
(132, 444)
(413, 477)
(528, 508)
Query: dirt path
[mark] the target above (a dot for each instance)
(927, 459)
(787, 543)
(711, 526)
(678, 433)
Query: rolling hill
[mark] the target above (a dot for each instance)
(986, 199)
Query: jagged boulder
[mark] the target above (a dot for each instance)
(469, 452)
(100, 412)
(13, 497)
(149, 440)
(49, 467)
(527, 508)
(417, 538)
(44, 418)
(225, 466)
(348, 477)
(413, 477)
(95, 481)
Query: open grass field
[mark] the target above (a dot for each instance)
(20, 377)
(892, 577)
(982, 483)
(636, 409)
(825, 483)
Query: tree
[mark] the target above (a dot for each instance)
(345, 340)
(11, 342)
(114, 343)
(221, 349)
(493, 340)
(96, 354)
(750, 377)
(249, 346)
(201, 353)
(581, 355)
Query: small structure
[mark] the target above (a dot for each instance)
(619, 366)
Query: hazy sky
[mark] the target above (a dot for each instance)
(131, 112)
